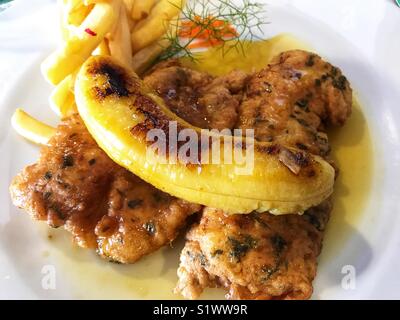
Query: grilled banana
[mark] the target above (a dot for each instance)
(120, 112)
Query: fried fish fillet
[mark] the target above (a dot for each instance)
(262, 256)
(293, 100)
(76, 185)
(254, 256)
(197, 97)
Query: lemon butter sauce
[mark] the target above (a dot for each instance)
(154, 277)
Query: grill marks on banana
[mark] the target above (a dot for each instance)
(117, 84)
(120, 85)
(155, 118)
(297, 161)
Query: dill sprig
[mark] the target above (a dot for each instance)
(246, 17)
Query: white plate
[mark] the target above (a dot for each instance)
(360, 36)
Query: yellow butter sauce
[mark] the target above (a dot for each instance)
(90, 277)
(352, 151)
(154, 277)
(254, 56)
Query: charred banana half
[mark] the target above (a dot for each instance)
(124, 117)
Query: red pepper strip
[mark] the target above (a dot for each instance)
(91, 32)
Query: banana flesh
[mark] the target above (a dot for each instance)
(119, 111)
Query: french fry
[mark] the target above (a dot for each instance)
(143, 59)
(119, 41)
(78, 15)
(129, 4)
(71, 4)
(31, 128)
(72, 19)
(155, 25)
(117, 5)
(80, 46)
(89, 2)
(62, 99)
(131, 22)
(102, 49)
(141, 9)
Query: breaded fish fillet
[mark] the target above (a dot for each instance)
(257, 256)
(202, 100)
(293, 100)
(254, 256)
(76, 185)
(262, 256)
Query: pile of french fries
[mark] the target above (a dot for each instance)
(131, 31)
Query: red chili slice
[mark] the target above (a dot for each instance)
(91, 32)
